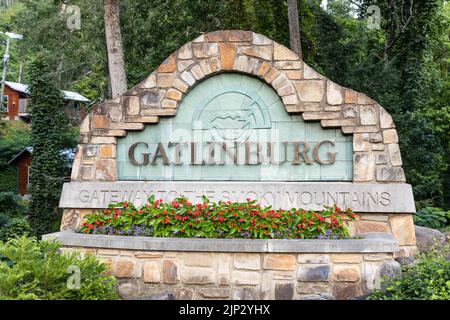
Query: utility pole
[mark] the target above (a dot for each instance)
(5, 67)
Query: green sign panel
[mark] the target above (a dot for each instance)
(234, 127)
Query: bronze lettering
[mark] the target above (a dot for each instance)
(133, 158)
(303, 152)
(331, 155)
(160, 152)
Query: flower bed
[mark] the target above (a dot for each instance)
(181, 218)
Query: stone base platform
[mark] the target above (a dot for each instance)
(240, 269)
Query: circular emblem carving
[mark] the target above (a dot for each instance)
(231, 114)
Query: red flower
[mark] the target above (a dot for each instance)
(125, 204)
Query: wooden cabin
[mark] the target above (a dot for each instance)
(15, 103)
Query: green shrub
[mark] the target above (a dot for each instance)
(180, 218)
(15, 228)
(32, 269)
(432, 217)
(12, 205)
(428, 279)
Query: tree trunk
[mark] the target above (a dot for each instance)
(294, 28)
(114, 48)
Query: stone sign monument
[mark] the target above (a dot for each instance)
(234, 115)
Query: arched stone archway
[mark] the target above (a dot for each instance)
(303, 91)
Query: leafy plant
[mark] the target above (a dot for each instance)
(428, 279)
(432, 217)
(181, 218)
(32, 269)
(12, 205)
(16, 227)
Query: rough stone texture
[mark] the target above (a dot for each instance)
(245, 278)
(128, 290)
(343, 290)
(316, 273)
(402, 227)
(390, 136)
(427, 237)
(199, 259)
(152, 272)
(394, 154)
(191, 275)
(284, 291)
(334, 93)
(371, 226)
(170, 273)
(363, 167)
(279, 262)
(247, 261)
(313, 258)
(346, 273)
(311, 91)
(313, 287)
(124, 268)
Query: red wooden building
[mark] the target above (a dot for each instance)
(15, 99)
(22, 161)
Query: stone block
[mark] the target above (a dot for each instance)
(108, 262)
(334, 93)
(168, 65)
(199, 259)
(87, 173)
(310, 73)
(185, 52)
(284, 291)
(241, 63)
(107, 151)
(310, 90)
(227, 55)
(346, 258)
(390, 136)
(402, 227)
(394, 154)
(173, 94)
(170, 273)
(263, 69)
(371, 226)
(183, 64)
(346, 273)
(313, 273)
(205, 50)
(368, 115)
(152, 97)
(279, 262)
(125, 268)
(286, 90)
(198, 275)
(169, 104)
(128, 290)
(247, 261)
(345, 290)
(271, 75)
(149, 82)
(363, 167)
(205, 66)
(290, 100)
(197, 72)
(282, 53)
(215, 293)
(361, 142)
(152, 272)
(349, 111)
(313, 258)
(262, 52)
(386, 121)
(288, 65)
(313, 287)
(239, 35)
(187, 77)
(165, 79)
(260, 40)
(245, 278)
(280, 81)
(388, 173)
(100, 122)
(294, 75)
(105, 169)
(245, 294)
(180, 85)
(350, 96)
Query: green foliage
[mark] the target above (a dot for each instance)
(180, 218)
(49, 126)
(15, 228)
(34, 269)
(12, 205)
(431, 217)
(428, 279)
